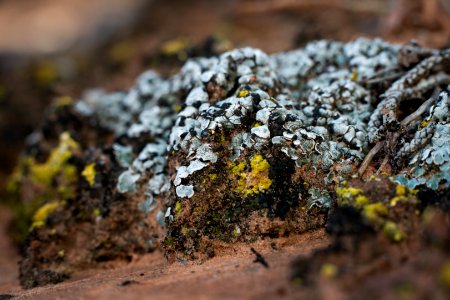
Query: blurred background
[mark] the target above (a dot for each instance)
(54, 48)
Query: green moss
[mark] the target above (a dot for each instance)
(169, 241)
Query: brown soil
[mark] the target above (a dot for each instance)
(230, 274)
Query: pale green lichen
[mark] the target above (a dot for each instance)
(429, 150)
(127, 182)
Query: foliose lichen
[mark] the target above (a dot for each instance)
(234, 145)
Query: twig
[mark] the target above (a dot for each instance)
(259, 258)
(369, 157)
(404, 123)
(385, 78)
(415, 115)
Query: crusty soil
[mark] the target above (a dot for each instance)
(9, 271)
(230, 274)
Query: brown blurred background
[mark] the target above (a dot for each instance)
(50, 48)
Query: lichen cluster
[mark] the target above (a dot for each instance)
(429, 150)
(234, 145)
(380, 208)
(304, 102)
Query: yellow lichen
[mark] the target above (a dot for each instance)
(236, 231)
(402, 194)
(89, 174)
(445, 274)
(96, 212)
(121, 51)
(184, 230)
(178, 47)
(254, 181)
(361, 200)
(41, 215)
(392, 231)
(178, 207)
(328, 270)
(13, 183)
(347, 195)
(45, 74)
(424, 123)
(374, 212)
(56, 162)
(243, 93)
(63, 101)
(237, 169)
(354, 75)
(401, 190)
(178, 108)
(174, 46)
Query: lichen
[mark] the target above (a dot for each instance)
(234, 139)
(56, 163)
(378, 207)
(429, 150)
(41, 215)
(89, 173)
(329, 270)
(256, 180)
(445, 274)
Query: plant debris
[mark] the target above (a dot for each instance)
(259, 258)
